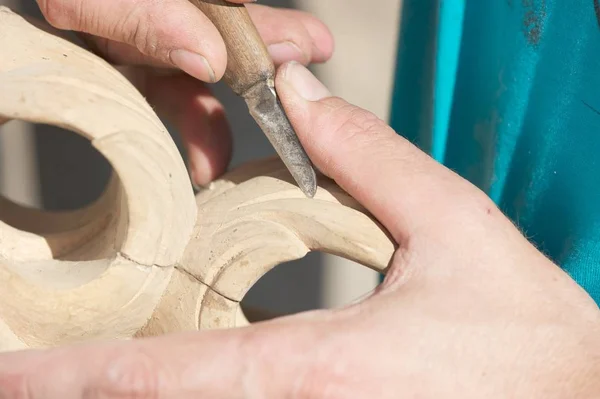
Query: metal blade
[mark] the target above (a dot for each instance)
(267, 111)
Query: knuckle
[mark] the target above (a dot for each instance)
(360, 130)
(350, 129)
(358, 125)
(330, 381)
(139, 28)
(141, 38)
(131, 374)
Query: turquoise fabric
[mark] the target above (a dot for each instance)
(507, 94)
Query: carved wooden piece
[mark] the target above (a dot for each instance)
(146, 258)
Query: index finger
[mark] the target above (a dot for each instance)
(215, 364)
(174, 32)
(188, 365)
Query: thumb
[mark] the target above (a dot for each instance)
(173, 32)
(399, 184)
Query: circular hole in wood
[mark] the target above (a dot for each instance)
(58, 198)
(50, 168)
(318, 281)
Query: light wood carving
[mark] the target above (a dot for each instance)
(147, 258)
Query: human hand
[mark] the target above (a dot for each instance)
(175, 35)
(469, 308)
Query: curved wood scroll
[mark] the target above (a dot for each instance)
(145, 258)
(252, 220)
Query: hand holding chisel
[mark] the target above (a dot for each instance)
(251, 74)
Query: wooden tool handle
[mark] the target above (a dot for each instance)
(248, 61)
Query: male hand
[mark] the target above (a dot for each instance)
(176, 34)
(469, 308)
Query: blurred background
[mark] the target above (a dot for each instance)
(49, 168)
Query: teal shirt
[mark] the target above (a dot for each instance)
(507, 94)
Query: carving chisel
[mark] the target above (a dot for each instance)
(250, 74)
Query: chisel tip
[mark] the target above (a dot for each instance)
(268, 112)
(307, 181)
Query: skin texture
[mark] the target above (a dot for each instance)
(176, 50)
(469, 308)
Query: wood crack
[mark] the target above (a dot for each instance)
(196, 278)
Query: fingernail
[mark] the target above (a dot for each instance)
(284, 52)
(193, 64)
(304, 82)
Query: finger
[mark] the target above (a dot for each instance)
(198, 116)
(118, 53)
(292, 35)
(289, 35)
(402, 186)
(174, 32)
(182, 366)
(225, 364)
